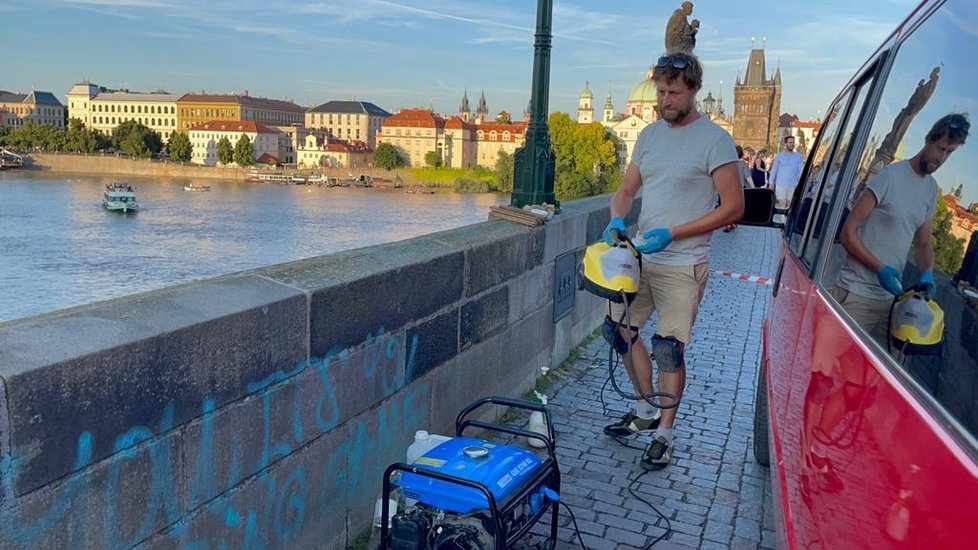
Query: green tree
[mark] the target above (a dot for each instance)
(75, 136)
(387, 157)
(244, 151)
(432, 159)
(180, 147)
(504, 171)
(136, 140)
(134, 146)
(225, 152)
(503, 118)
(587, 157)
(948, 250)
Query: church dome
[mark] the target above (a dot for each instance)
(644, 91)
(586, 93)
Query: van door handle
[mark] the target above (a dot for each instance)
(777, 277)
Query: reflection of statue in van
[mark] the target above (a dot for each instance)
(919, 98)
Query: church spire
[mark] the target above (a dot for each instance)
(609, 107)
(464, 107)
(482, 109)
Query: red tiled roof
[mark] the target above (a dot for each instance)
(959, 211)
(340, 146)
(515, 129)
(414, 118)
(814, 124)
(456, 123)
(240, 126)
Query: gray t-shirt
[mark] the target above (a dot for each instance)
(677, 184)
(904, 201)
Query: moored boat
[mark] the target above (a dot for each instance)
(120, 197)
(193, 187)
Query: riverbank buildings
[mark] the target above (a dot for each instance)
(804, 131)
(41, 108)
(104, 109)
(205, 136)
(461, 141)
(349, 121)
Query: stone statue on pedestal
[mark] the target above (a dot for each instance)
(680, 33)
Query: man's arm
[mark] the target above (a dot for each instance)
(850, 232)
(773, 175)
(726, 180)
(631, 182)
(923, 245)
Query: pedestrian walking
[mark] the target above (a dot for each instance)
(758, 171)
(680, 164)
(786, 171)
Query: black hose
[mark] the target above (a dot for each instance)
(653, 398)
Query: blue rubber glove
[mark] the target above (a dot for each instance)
(927, 279)
(609, 234)
(656, 240)
(890, 280)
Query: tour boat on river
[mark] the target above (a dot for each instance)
(194, 187)
(120, 197)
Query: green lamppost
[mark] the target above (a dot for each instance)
(533, 177)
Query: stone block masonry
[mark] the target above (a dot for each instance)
(259, 409)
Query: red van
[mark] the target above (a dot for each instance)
(868, 447)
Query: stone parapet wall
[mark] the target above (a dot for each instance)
(112, 165)
(261, 408)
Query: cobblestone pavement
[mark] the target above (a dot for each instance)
(713, 493)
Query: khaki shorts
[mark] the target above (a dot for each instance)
(784, 193)
(871, 314)
(674, 291)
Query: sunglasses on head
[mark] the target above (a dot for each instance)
(674, 61)
(959, 124)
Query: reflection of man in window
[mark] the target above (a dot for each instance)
(895, 211)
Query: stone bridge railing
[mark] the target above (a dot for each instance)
(258, 410)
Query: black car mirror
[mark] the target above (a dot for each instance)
(759, 208)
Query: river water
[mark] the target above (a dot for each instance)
(60, 248)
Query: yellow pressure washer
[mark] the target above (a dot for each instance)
(916, 323)
(611, 272)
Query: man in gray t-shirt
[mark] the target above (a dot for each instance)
(680, 164)
(893, 213)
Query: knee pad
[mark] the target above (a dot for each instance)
(668, 353)
(613, 336)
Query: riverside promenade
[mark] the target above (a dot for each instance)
(713, 493)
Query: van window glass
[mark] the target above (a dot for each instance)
(822, 200)
(813, 180)
(913, 207)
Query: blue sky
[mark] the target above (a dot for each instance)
(405, 53)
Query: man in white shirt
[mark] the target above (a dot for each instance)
(786, 171)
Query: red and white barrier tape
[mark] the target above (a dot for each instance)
(744, 277)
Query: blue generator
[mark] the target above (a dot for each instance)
(472, 494)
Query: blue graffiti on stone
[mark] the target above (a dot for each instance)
(226, 479)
